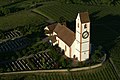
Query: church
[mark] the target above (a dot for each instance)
(75, 45)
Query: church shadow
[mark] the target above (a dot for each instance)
(103, 30)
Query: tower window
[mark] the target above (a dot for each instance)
(65, 48)
(78, 25)
(58, 42)
(85, 26)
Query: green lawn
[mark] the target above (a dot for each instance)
(21, 18)
(115, 55)
(69, 11)
(7, 2)
(104, 19)
(105, 26)
(104, 29)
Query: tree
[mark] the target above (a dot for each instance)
(62, 20)
(97, 54)
(69, 63)
(62, 62)
(95, 57)
(4, 11)
(105, 1)
(86, 1)
(1, 35)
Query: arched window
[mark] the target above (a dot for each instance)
(65, 48)
(74, 56)
(78, 25)
(85, 26)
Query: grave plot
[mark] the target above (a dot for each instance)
(36, 62)
(12, 34)
(13, 45)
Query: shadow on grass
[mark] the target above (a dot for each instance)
(103, 30)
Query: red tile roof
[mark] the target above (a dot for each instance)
(65, 34)
(84, 17)
(52, 27)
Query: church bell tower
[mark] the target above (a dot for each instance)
(82, 44)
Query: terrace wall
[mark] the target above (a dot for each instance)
(58, 70)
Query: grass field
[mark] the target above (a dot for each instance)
(104, 29)
(106, 72)
(104, 19)
(20, 19)
(8, 2)
(115, 55)
(69, 11)
(104, 22)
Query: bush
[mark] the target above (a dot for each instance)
(97, 54)
(4, 11)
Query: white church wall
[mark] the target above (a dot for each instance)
(77, 37)
(85, 46)
(77, 54)
(47, 34)
(54, 33)
(78, 28)
(46, 28)
(67, 52)
(76, 43)
(85, 56)
(55, 43)
(73, 49)
(63, 46)
(77, 50)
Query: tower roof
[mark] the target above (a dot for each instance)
(84, 17)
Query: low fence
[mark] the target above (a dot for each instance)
(58, 70)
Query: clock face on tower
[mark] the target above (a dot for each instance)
(85, 34)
